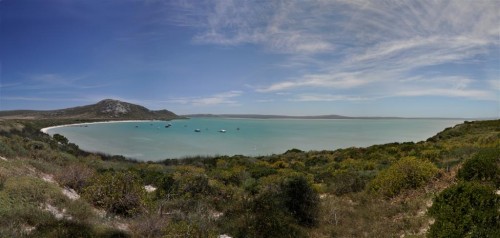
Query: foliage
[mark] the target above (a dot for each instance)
(75, 176)
(347, 181)
(23, 202)
(60, 138)
(190, 182)
(466, 210)
(186, 229)
(407, 173)
(284, 206)
(484, 166)
(117, 192)
(301, 201)
(266, 196)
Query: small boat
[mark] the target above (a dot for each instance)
(136, 126)
(222, 131)
(197, 130)
(167, 126)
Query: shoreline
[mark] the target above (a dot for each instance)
(193, 146)
(45, 129)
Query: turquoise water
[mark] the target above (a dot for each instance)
(153, 141)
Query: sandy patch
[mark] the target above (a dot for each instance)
(70, 193)
(149, 188)
(46, 129)
(49, 178)
(58, 214)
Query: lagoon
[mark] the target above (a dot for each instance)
(152, 140)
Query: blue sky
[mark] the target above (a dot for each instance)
(347, 57)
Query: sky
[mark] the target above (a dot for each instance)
(347, 57)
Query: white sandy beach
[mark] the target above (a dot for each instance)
(46, 129)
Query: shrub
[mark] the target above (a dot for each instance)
(191, 182)
(283, 207)
(301, 201)
(5, 149)
(186, 229)
(75, 176)
(60, 138)
(347, 182)
(117, 192)
(484, 166)
(407, 173)
(466, 210)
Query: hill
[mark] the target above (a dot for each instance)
(107, 109)
(50, 188)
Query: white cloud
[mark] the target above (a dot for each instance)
(280, 26)
(376, 46)
(46, 81)
(473, 94)
(338, 80)
(327, 98)
(225, 98)
(495, 84)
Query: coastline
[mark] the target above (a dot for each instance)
(46, 129)
(255, 139)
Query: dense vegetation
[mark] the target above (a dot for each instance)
(50, 188)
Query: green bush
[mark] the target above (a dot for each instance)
(186, 229)
(347, 182)
(117, 192)
(5, 150)
(60, 138)
(283, 207)
(484, 166)
(466, 210)
(301, 201)
(407, 173)
(191, 182)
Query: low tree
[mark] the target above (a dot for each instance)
(483, 167)
(301, 201)
(466, 210)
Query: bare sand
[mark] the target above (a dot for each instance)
(46, 129)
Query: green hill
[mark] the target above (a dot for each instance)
(107, 109)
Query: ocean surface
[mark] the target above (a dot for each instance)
(152, 140)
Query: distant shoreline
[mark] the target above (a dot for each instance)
(317, 117)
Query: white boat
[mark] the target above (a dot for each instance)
(222, 131)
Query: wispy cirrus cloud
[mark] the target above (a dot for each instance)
(221, 98)
(273, 24)
(225, 98)
(377, 45)
(45, 81)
